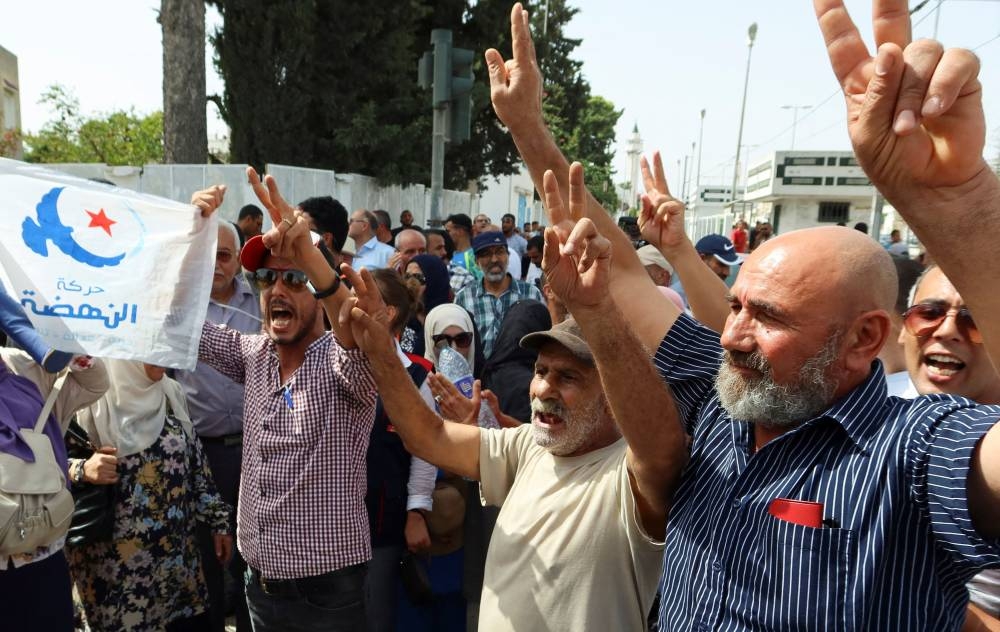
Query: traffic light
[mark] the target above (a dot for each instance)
(461, 94)
(447, 71)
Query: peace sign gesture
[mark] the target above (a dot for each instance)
(661, 220)
(577, 258)
(289, 237)
(914, 109)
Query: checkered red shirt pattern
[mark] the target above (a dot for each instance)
(301, 510)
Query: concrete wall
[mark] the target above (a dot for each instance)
(178, 182)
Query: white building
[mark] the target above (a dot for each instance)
(708, 212)
(800, 189)
(511, 194)
(10, 105)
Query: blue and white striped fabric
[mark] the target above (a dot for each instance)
(890, 474)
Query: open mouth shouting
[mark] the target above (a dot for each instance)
(941, 367)
(281, 317)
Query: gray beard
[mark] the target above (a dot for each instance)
(580, 425)
(764, 402)
(495, 277)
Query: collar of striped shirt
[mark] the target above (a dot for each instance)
(896, 546)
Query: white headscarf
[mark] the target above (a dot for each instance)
(130, 416)
(442, 317)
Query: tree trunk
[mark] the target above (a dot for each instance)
(185, 133)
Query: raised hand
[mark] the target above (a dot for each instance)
(365, 316)
(914, 110)
(289, 236)
(577, 258)
(516, 84)
(661, 221)
(208, 200)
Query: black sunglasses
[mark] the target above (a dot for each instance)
(924, 318)
(294, 280)
(420, 278)
(463, 339)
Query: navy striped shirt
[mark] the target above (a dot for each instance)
(890, 474)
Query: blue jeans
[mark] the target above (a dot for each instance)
(334, 601)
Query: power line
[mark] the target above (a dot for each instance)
(992, 39)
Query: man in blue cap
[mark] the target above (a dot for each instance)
(718, 254)
(489, 298)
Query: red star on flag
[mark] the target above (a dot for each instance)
(100, 220)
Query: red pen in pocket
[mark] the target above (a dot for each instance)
(800, 512)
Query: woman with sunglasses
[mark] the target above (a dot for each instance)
(449, 325)
(427, 276)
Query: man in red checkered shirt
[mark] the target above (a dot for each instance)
(308, 413)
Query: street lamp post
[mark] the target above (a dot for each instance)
(751, 35)
(701, 132)
(795, 117)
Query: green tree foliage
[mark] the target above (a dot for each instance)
(119, 138)
(332, 84)
(327, 84)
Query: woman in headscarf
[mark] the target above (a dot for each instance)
(427, 276)
(149, 577)
(449, 325)
(35, 585)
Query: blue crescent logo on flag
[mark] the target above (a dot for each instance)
(50, 227)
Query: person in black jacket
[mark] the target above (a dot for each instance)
(509, 370)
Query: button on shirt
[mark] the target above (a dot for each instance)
(898, 545)
(215, 402)
(372, 255)
(301, 510)
(488, 310)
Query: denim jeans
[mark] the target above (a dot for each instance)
(333, 601)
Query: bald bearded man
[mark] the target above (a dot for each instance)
(812, 500)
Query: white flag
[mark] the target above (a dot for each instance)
(103, 271)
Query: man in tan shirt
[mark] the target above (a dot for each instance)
(584, 489)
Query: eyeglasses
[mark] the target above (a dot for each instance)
(224, 256)
(463, 339)
(294, 280)
(417, 276)
(922, 319)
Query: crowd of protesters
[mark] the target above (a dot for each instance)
(477, 426)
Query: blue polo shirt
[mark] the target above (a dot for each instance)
(897, 546)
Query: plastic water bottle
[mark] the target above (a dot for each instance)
(453, 366)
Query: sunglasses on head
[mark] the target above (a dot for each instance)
(417, 276)
(265, 278)
(463, 339)
(924, 318)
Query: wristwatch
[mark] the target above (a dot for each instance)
(330, 291)
(77, 473)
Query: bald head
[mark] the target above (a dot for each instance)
(848, 267)
(816, 298)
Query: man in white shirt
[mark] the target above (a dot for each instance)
(371, 253)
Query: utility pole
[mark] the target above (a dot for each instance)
(447, 71)
(751, 35)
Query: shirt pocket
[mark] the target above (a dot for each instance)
(806, 576)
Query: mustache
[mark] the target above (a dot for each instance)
(548, 408)
(748, 360)
(280, 304)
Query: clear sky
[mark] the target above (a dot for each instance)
(661, 61)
